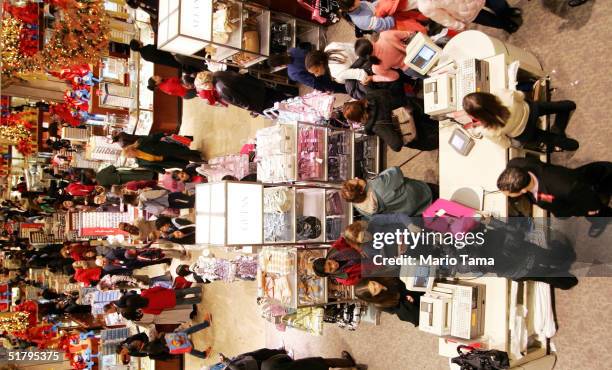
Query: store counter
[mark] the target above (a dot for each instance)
(476, 44)
(470, 179)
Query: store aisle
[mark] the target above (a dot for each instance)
(217, 130)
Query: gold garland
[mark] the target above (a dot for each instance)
(13, 321)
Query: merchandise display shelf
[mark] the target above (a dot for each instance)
(299, 152)
(234, 32)
(232, 213)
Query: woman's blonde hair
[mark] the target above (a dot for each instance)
(355, 232)
(202, 79)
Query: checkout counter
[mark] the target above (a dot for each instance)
(470, 178)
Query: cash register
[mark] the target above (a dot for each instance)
(421, 54)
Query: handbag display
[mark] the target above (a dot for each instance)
(404, 119)
(178, 343)
(476, 359)
(308, 227)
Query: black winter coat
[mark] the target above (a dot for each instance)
(381, 104)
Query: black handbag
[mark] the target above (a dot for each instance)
(308, 227)
(476, 359)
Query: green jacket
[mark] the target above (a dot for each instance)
(398, 194)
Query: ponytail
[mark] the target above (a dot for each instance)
(323, 58)
(364, 49)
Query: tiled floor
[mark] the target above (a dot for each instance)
(574, 47)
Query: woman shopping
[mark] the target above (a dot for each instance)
(336, 60)
(171, 86)
(157, 201)
(156, 348)
(278, 359)
(343, 263)
(389, 192)
(243, 91)
(386, 55)
(159, 152)
(458, 14)
(508, 116)
(390, 295)
(383, 15)
(375, 113)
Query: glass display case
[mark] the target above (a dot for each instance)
(304, 152)
(285, 276)
(239, 213)
(230, 31)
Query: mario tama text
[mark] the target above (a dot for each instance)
(430, 260)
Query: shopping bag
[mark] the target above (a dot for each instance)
(404, 119)
(177, 139)
(448, 216)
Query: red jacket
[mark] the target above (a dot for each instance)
(159, 299)
(86, 276)
(353, 272)
(173, 86)
(142, 184)
(76, 189)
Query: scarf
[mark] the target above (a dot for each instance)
(346, 258)
(148, 157)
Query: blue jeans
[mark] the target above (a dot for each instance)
(193, 329)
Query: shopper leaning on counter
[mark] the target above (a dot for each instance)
(295, 61)
(386, 54)
(389, 192)
(508, 116)
(375, 113)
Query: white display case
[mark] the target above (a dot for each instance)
(298, 152)
(185, 26)
(240, 213)
(229, 213)
(230, 31)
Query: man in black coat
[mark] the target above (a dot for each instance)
(152, 54)
(581, 192)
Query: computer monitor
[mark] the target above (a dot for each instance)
(461, 142)
(421, 54)
(418, 278)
